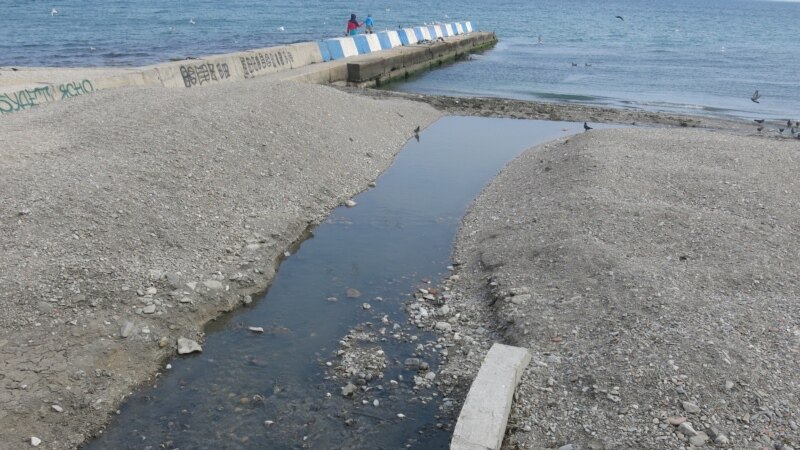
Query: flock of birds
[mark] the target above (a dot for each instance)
(794, 129)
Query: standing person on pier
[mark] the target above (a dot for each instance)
(369, 24)
(352, 26)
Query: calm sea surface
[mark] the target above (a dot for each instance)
(692, 56)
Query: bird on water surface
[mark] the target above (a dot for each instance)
(586, 127)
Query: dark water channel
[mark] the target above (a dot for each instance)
(399, 236)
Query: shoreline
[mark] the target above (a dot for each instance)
(83, 290)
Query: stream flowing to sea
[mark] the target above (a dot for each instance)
(396, 240)
(695, 57)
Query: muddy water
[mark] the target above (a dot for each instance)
(279, 389)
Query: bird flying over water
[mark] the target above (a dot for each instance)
(587, 127)
(620, 18)
(191, 21)
(755, 96)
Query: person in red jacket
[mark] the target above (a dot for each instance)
(352, 26)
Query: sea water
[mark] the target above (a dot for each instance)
(688, 56)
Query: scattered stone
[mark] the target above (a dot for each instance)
(350, 203)
(699, 439)
(256, 329)
(567, 447)
(521, 299)
(349, 390)
(149, 309)
(151, 291)
(268, 423)
(366, 306)
(186, 300)
(126, 329)
(186, 346)
(728, 385)
(676, 420)
(163, 342)
(214, 285)
(57, 408)
(717, 436)
(412, 363)
(687, 429)
(443, 327)
(401, 416)
(376, 403)
(690, 407)
(352, 293)
(35, 441)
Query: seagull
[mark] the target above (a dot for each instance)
(780, 130)
(587, 65)
(759, 129)
(91, 49)
(620, 18)
(758, 120)
(281, 28)
(416, 130)
(788, 123)
(574, 64)
(53, 12)
(191, 21)
(755, 96)
(587, 127)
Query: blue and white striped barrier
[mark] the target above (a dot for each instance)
(408, 37)
(389, 39)
(345, 47)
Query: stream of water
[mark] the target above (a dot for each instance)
(271, 390)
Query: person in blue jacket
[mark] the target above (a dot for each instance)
(369, 23)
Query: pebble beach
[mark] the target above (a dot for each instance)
(649, 269)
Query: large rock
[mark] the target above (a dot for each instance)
(186, 346)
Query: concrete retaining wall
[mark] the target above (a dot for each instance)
(393, 54)
(482, 422)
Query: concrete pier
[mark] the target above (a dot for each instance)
(366, 60)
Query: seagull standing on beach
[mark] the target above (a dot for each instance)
(755, 96)
(53, 12)
(586, 127)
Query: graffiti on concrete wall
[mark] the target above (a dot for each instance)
(265, 60)
(28, 98)
(198, 74)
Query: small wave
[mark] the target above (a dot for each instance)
(564, 97)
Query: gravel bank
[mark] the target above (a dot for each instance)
(654, 276)
(144, 213)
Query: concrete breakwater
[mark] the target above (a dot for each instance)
(361, 60)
